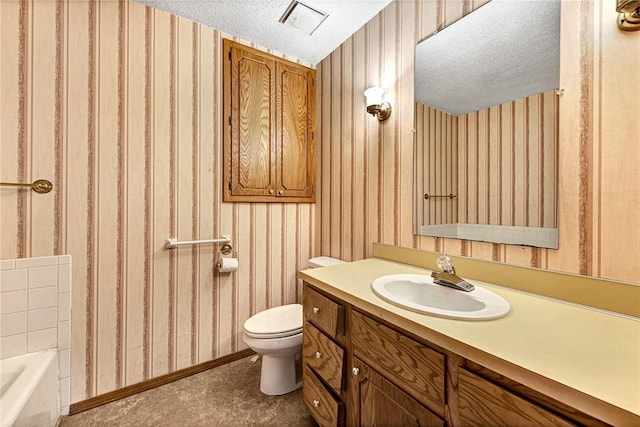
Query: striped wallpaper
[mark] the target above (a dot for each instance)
(366, 167)
(499, 162)
(436, 166)
(119, 106)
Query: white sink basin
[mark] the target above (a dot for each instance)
(417, 292)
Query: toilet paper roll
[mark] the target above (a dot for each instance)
(227, 265)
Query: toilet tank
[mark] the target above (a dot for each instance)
(324, 261)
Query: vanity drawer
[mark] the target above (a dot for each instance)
(323, 356)
(485, 403)
(324, 408)
(415, 368)
(324, 313)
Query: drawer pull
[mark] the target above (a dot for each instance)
(318, 355)
(355, 371)
(316, 403)
(316, 310)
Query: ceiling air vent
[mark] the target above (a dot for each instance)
(303, 17)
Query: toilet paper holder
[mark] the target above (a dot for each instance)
(225, 252)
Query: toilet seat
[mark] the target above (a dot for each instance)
(277, 322)
(274, 335)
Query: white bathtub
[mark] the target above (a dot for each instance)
(30, 394)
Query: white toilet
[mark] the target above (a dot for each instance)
(276, 335)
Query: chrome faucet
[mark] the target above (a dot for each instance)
(447, 277)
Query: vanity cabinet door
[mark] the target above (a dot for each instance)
(485, 403)
(378, 402)
(416, 368)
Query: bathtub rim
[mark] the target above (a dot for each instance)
(36, 365)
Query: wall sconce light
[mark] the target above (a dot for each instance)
(375, 106)
(629, 14)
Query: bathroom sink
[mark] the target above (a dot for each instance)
(417, 292)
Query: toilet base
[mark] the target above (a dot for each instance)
(278, 375)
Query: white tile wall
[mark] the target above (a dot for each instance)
(13, 323)
(43, 339)
(44, 318)
(13, 280)
(35, 313)
(43, 276)
(13, 345)
(64, 334)
(8, 264)
(37, 262)
(13, 301)
(43, 297)
(528, 236)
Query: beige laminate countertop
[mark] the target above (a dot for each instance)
(587, 359)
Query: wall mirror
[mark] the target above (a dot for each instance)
(486, 126)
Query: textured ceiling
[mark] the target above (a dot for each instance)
(257, 22)
(505, 50)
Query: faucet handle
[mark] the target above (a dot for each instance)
(444, 263)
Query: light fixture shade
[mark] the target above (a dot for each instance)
(375, 106)
(373, 96)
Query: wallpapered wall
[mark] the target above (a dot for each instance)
(367, 166)
(119, 106)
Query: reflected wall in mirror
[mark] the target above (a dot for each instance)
(486, 121)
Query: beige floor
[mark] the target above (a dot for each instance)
(227, 396)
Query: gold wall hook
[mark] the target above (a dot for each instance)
(39, 186)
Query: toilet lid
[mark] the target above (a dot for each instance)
(275, 322)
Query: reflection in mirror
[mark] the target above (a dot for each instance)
(487, 125)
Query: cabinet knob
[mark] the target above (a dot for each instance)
(318, 355)
(316, 403)
(281, 192)
(316, 310)
(355, 371)
(271, 191)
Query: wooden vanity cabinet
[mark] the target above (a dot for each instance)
(416, 368)
(372, 373)
(483, 403)
(377, 401)
(323, 357)
(269, 127)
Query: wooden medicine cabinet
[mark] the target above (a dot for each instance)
(269, 128)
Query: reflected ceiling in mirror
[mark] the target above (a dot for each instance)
(504, 50)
